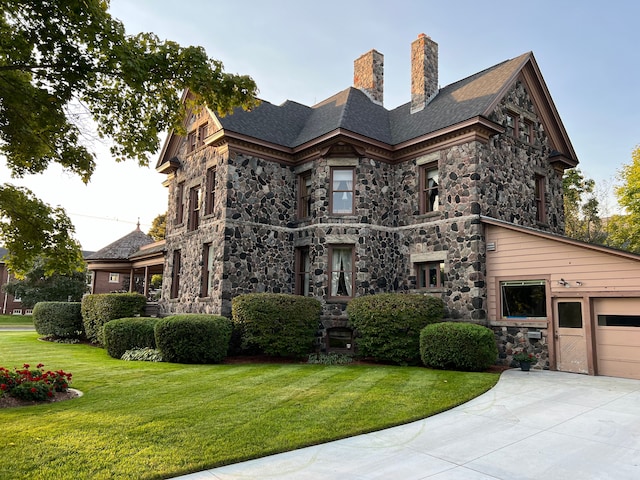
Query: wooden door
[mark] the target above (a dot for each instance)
(570, 337)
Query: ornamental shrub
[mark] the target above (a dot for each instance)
(99, 309)
(458, 346)
(58, 319)
(277, 324)
(388, 325)
(28, 383)
(193, 338)
(145, 354)
(128, 333)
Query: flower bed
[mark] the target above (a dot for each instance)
(29, 384)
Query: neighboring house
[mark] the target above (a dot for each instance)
(135, 256)
(347, 198)
(9, 305)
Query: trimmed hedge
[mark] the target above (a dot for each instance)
(99, 309)
(128, 333)
(458, 346)
(58, 319)
(193, 338)
(388, 325)
(277, 324)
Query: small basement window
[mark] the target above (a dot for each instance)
(524, 299)
(339, 339)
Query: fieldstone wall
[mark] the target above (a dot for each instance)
(512, 340)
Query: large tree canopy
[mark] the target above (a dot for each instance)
(581, 208)
(58, 56)
(624, 230)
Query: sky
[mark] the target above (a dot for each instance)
(588, 53)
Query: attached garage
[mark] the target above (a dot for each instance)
(582, 307)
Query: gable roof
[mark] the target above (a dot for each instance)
(292, 125)
(122, 248)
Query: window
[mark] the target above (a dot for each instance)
(619, 321)
(191, 141)
(303, 271)
(304, 195)
(203, 131)
(525, 128)
(539, 195)
(339, 338)
(179, 204)
(114, 278)
(430, 275)
(341, 273)
(210, 196)
(342, 191)
(194, 208)
(524, 299)
(207, 270)
(429, 198)
(175, 274)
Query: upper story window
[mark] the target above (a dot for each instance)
(207, 270)
(429, 189)
(303, 271)
(203, 131)
(519, 128)
(179, 204)
(191, 141)
(342, 191)
(304, 195)
(526, 129)
(175, 274)
(539, 194)
(114, 278)
(341, 271)
(430, 275)
(194, 208)
(210, 185)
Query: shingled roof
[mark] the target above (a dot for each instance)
(122, 248)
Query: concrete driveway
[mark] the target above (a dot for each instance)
(531, 425)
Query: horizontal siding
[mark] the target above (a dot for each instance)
(520, 254)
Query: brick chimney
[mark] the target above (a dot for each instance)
(368, 75)
(424, 72)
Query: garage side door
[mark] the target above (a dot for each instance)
(617, 322)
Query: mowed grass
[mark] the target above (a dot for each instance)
(159, 420)
(16, 321)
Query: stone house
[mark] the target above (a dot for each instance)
(347, 198)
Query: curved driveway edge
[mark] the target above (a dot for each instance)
(531, 425)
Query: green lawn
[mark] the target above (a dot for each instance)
(158, 420)
(16, 320)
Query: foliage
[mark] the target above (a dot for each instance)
(99, 309)
(128, 333)
(329, 359)
(31, 229)
(388, 324)
(458, 346)
(134, 415)
(58, 319)
(581, 208)
(38, 286)
(277, 323)
(624, 230)
(33, 384)
(193, 338)
(158, 228)
(145, 354)
(62, 61)
(524, 357)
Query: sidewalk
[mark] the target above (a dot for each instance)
(531, 425)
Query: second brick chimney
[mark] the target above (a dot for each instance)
(424, 72)
(368, 73)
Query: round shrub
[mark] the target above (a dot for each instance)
(458, 346)
(193, 338)
(99, 309)
(58, 319)
(277, 323)
(128, 333)
(388, 325)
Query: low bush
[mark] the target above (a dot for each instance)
(145, 354)
(193, 338)
(99, 309)
(58, 319)
(35, 384)
(388, 325)
(458, 346)
(128, 333)
(276, 323)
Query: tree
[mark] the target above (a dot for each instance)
(37, 286)
(158, 227)
(624, 230)
(63, 59)
(581, 208)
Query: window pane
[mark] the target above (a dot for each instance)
(619, 320)
(342, 191)
(569, 314)
(341, 273)
(524, 300)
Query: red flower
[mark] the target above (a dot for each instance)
(49, 393)
(33, 390)
(40, 365)
(3, 387)
(26, 365)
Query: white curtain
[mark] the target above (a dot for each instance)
(341, 273)
(342, 191)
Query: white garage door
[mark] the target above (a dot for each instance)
(618, 336)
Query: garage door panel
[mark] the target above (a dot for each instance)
(619, 368)
(619, 337)
(617, 347)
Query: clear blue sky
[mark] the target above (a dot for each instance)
(588, 52)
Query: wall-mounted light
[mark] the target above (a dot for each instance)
(563, 282)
